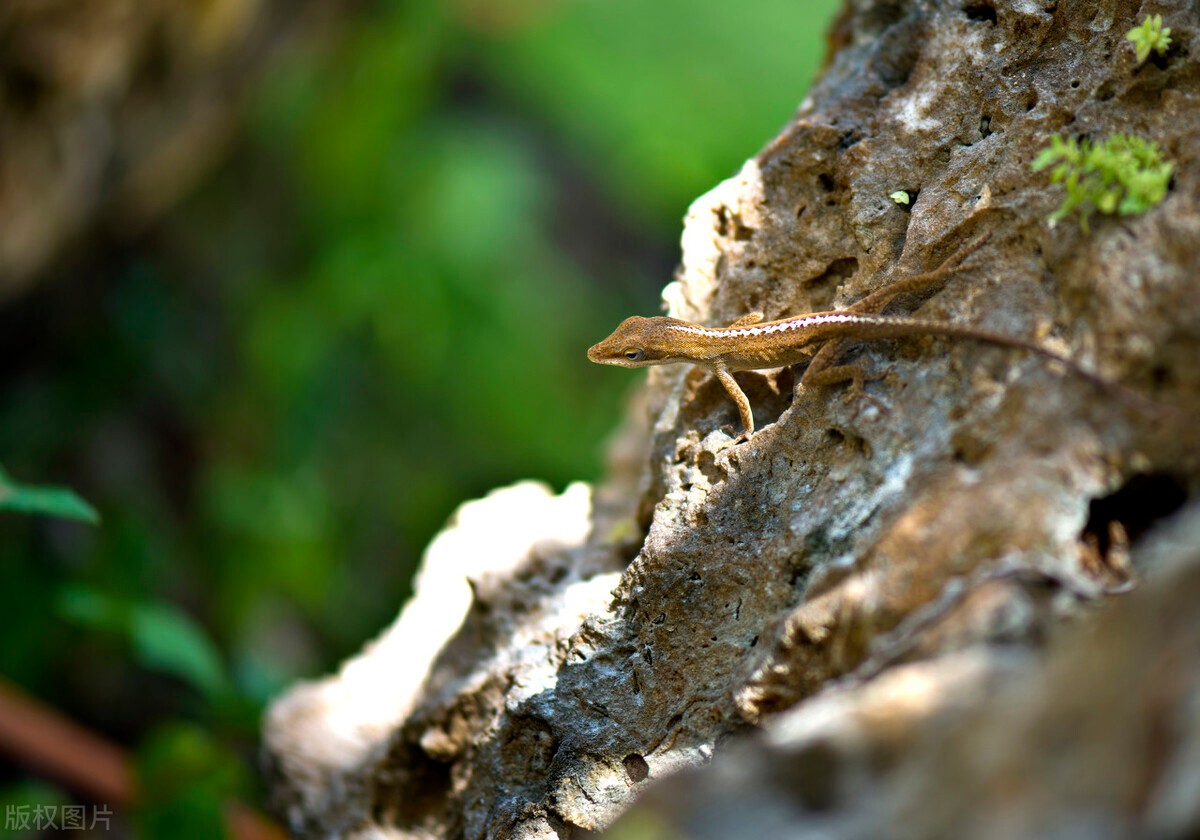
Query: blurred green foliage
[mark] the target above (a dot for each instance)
(48, 501)
(159, 636)
(186, 780)
(1120, 175)
(377, 308)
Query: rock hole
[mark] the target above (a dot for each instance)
(898, 53)
(754, 642)
(837, 273)
(707, 462)
(912, 200)
(981, 12)
(849, 440)
(849, 139)
(636, 768)
(785, 381)
(1142, 502)
(825, 182)
(1074, 84)
(722, 221)
(741, 231)
(1106, 92)
(878, 17)
(985, 126)
(969, 449)
(798, 576)
(426, 783)
(1031, 101)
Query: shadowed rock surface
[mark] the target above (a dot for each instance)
(868, 565)
(1099, 738)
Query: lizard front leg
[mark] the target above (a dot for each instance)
(739, 397)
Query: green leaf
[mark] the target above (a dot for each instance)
(1150, 36)
(166, 639)
(162, 636)
(48, 501)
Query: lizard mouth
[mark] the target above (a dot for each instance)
(602, 355)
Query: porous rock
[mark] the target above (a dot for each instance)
(886, 557)
(1097, 738)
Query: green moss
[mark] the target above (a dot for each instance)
(1150, 36)
(1123, 175)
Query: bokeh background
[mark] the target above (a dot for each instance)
(275, 348)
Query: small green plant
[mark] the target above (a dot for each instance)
(900, 197)
(1150, 36)
(1123, 175)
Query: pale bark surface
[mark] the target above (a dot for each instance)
(868, 568)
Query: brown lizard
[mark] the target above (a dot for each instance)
(750, 343)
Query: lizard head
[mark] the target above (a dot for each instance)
(641, 342)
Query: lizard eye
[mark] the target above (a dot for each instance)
(634, 355)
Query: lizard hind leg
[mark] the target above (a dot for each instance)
(821, 372)
(837, 374)
(920, 284)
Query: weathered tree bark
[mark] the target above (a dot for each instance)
(866, 567)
